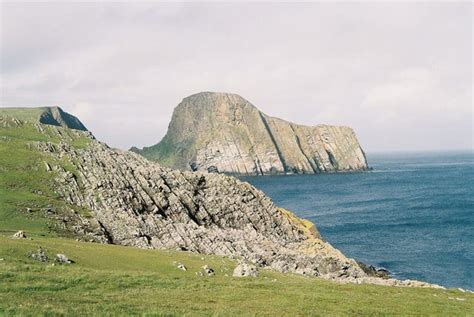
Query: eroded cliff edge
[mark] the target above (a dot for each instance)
(226, 133)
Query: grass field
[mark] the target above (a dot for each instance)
(116, 280)
(113, 280)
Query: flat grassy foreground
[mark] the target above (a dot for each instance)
(116, 280)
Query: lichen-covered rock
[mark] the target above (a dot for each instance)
(218, 132)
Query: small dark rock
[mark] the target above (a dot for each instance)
(193, 166)
(371, 270)
(213, 169)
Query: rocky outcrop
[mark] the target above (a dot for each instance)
(135, 202)
(46, 115)
(139, 203)
(220, 132)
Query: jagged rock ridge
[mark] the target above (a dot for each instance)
(226, 133)
(46, 115)
(136, 202)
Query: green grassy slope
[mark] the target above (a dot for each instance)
(26, 192)
(112, 280)
(46, 115)
(109, 279)
(24, 114)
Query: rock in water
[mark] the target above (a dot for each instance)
(219, 132)
(245, 269)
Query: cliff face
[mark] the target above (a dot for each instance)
(225, 133)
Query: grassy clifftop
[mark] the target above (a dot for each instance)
(46, 115)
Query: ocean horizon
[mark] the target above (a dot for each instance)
(412, 214)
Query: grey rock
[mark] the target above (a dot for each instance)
(19, 235)
(220, 132)
(208, 270)
(62, 259)
(39, 255)
(181, 266)
(245, 269)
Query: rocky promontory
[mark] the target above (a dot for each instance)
(220, 132)
(112, 196)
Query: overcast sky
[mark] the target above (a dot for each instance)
(399, 73)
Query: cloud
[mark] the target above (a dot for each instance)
(123, 67)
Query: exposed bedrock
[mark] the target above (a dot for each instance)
(221, 132)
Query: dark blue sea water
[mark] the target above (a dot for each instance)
(413, 215)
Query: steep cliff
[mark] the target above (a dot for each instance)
(226, 133)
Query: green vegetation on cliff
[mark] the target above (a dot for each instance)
(46, 115)
(26, 188)
(226, 133)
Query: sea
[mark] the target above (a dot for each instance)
(413, 214)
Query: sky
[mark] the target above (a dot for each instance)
(399, 73)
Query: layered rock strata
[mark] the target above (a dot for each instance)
(225, 133)
(136, 202)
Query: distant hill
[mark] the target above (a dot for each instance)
(221, 132)
(46, 115)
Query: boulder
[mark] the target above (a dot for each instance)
(181, 266)
(208, 270)
(19, 235)
(39, 255)
(62, 259)
(245, 269)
